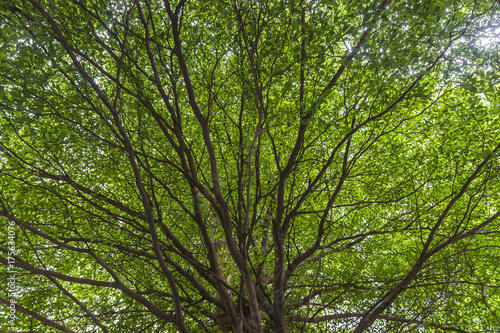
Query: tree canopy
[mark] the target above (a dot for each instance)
(250, 165)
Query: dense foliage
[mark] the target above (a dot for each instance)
(250, 165)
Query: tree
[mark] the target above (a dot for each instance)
(250, 166)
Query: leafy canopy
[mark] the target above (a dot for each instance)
(250, 166)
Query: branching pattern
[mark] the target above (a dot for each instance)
(251, 166)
